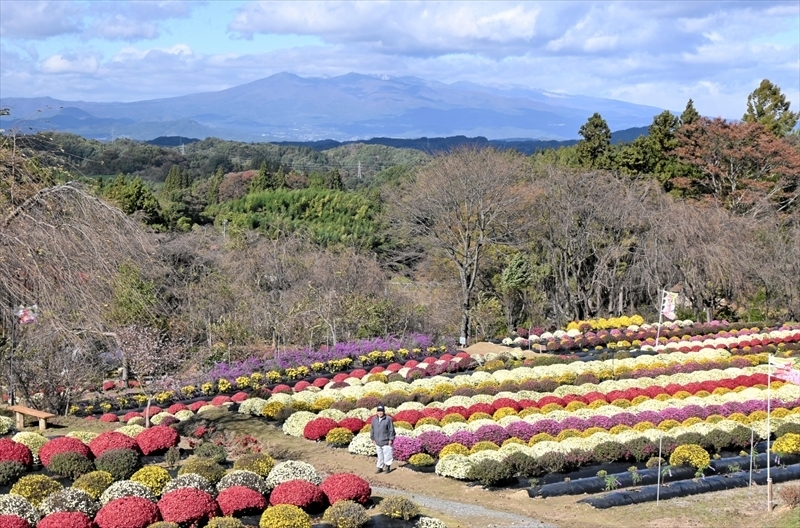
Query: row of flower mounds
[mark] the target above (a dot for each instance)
(686, 488)
(595, 484)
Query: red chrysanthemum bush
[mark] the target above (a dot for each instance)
(12, 451)
(12, 521)
(300, 493)
(216, 401)
(320, 382)
(281, 388)
(194, 407)
(157, 439)
(127, 512)
(481, 407)
(152, 411)
(64, 444)
(346, 486)
(187, 506)
(239, 500)
(410, 415)
(175, 407)
(109, 418)
(352, 424)
(457, 409)
(239, 397)
(66, 520)
(376, 370)
(112, 440)
(317, 428)
(301, 386)
(394, 367)
(131, 415)
(499, 403)
(358, 373)
(411, 363)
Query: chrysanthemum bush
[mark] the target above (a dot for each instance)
(132, 429)
(154, 477)
(346, 514)
(300, 493)
(70, 464)
(346, 486)
(69, 500)
(284, 516)
(454, 466)
(318, 428)
(120, 463)
(35, 488)
(240, 500)
(690, 455)
(15, 452)
(293, 470)
(127, 512)
(12, 504)
(252, 406)
(112, 440)
(398, 507)
(189, 480)
(126, 488)
(224, 522)
(362, 445)
(33, 441)
(13, 521)
(94, 483)
(157, 439)
(187, 506)
(205, 467)
(245, 478)
(66, 520)
(258, 463)
(296, 423)
(429, 522)
(6, 425)
(788, 444)
(62, 445)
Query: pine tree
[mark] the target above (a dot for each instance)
(689, 115)
(173, 181)
(768, 106)
(594, 148)
(261, 181)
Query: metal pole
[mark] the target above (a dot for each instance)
(769, 433)
(658, 481)
(11, 388)
(752, 447)
(660, 315)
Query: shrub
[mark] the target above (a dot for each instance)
(224, 522)
(483, 446)
(121, 463)
(790, 495)
(62, 445)
(405, 447)
(154, 477)
(128, 512)
(788, 444)
(453, 449)
(318, 428)
(300, 493)
(189, 480)
(212, 451)
(284, 516)
(610, 452)
(20, 507)
(398, 507)
(112, 440)
(690, 455)
(34, 441)
(242, 477)
(70, 464)
(258, 463)
(187, 506)
(551, 462)
(126, 488)
(346, 514)
(69, 519)
(339, 437)
(206, 468)
(421, 459)
(291, 470)
(491, 472)
(69, 499)
(94, 483)
(157, 439)
(10, 471)
(164, 524)
(240, 500)
(347, 487)
(15, 452)
(35, 488)
(13, 521)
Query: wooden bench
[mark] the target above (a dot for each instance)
(21, 411)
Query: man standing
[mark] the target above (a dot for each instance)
(382, 435)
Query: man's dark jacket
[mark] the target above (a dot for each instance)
(382, 430)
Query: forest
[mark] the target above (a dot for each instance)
(235, 249)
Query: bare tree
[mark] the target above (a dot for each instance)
(459, 205)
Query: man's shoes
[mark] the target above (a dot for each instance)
(380, 470)
(388, 468)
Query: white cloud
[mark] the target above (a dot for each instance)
(70, 64)
(39, 20)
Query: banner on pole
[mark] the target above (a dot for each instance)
(785, 370)
(668, 305)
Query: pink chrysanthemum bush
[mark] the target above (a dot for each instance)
(62, 445)
(127, 512)
(112, 440)
(239, 500)
(157, 439)
(300, 493)
(12, 451)
(66, 520)
(346, 486)
(109, 418)
(187, 506)
(12, 521)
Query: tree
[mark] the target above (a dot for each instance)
(742, 165)
(461, 204)
(768, 106)
(593, 149)
(689, 115)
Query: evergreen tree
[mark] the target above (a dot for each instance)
(768, 106)
(335, 180)
(594, 148)
(261, 181)
(173, 181)
(213, 186)
(689, 115)
(277, 179)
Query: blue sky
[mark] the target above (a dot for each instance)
(654, 53)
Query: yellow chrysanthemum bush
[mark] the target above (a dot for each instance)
(540, 437)
(788, 444)
(284, 516)
(483, 446)
(154, 477)
(502, 412)
(453, 449)
(477, 416)
(271, 410)
(452, 418)
(690, 455)
(35, 488)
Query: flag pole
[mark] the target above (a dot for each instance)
(769, 434)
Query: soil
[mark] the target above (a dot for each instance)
(461, 505)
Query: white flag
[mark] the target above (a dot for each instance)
(668, 306)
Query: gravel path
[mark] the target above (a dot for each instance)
(460, 510)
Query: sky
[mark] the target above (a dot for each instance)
(654, 53)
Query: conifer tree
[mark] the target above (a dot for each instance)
(593, 149)
(768, 106)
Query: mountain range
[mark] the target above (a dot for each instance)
(286, 107)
